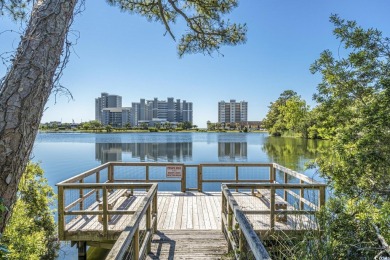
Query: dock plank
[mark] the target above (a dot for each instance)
(188, 244)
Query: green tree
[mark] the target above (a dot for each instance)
(167, 125)
(95, 125)
(144, 126)
(187, 125)
(294, 115)
(31, 231)
(274, 121)
(109, 128)
(354, 99)
(31, 79)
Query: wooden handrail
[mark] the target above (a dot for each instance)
(245, 226)
(85, 174)
(110, 166)
(132, 229)
(295, 174)
(275, 185)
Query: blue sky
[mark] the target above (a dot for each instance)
(126, 55)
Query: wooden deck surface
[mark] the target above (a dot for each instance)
(188, 244)
(188, 211)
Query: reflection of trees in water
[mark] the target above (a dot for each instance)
(171, 152)
(293, 152)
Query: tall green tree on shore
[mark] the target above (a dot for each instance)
(354, 99)
(288, 113)
(44, 50)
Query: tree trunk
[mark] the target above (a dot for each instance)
(26, 89)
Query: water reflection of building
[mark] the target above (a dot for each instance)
(170, 152)
(232, 151)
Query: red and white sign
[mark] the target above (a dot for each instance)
(174, 171)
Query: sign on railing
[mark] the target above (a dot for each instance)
(174, 171)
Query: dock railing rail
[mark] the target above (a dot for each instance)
(300, 195)
(192, 177)
(131, 244)
(241, 234)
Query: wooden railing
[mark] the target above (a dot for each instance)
(311, 208)
(118, 172)
(99, 205)
(129, 245)
(237, 225)
(89, 194)
(246, 234)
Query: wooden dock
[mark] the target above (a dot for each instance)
(187, 211)
(135, 220)
(188, 244)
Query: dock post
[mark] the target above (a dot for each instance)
(149, 229)
(241, 239)
(154, 212)
(285, 190)
(81, 196)
(82, 250)
(272, 208)
(136, 243)
(183, 179)
(236, 176)
(200, 183)
(321, 197)
(302, 196)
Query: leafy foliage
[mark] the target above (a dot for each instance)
(354, 100)
(288, 113)
(31, 231)
(207, 28)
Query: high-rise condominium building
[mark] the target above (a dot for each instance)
(161, 110)
(106, 101)
(232, 112)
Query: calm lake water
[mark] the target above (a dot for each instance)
(63, 155)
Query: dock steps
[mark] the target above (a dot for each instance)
(189, 244)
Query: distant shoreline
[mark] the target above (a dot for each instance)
(143, 131)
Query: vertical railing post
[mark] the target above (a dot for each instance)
(229, 224)
(136, 244)
(223, 208)
(321, 197)
(97, 190)
(154, 211)
(285, 190)
(148, 229)
(183, 179)
(81, 195)
(61, 215)
(301, 195)
(241, 240)
(200, 178)
(147, 173)
(236, 176)
(110, 173)
(230, 218)
(272, 208)
(105, 213)
(272, 173)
